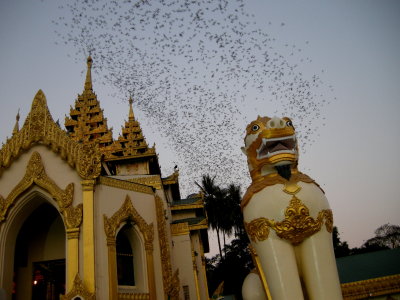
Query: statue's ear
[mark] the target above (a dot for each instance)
(244, 150)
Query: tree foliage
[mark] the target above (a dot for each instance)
(223, 208)
(341, 248)
(387, 235)
(235, 266)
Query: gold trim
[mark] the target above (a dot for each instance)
(154, 181)
(88, 234)
(291, 188)
(297, 225)
(371, 287)
(73, 233)
(172, 179)
(186, 206)
(202, 225)
(194, 205)
(72, 256)
(171, 281)
(128, 212)
(281, 157)
(180, 229)
(195, 272)
(39, 128)
(36, 174)
(136, 296)
(78, 290)
(88, 185)
(203, 268)
(259, 271)
(260, 182)
(126, 185)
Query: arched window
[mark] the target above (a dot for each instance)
(125, 260)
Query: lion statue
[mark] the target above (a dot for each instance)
(287, 218)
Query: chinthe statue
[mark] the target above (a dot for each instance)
(287, 218)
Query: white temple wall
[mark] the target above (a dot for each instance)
(183, 257)
(108, 200)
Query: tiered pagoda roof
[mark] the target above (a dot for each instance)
(131, 142)
(129, 154)
(86, 123)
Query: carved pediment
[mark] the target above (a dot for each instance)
(39, 128)
(78, 291)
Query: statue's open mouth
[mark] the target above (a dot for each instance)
(274, 146)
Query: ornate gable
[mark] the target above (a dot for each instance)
(39, 128)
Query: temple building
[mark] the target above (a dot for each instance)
(86, 216)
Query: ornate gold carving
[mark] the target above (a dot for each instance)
(73, 216)
(128, 212)
(258, 229)
(131, 143)
(297, 225)
(171, 282)
(78, 290)
(371, 288)
(39, 128)
(126, 185)
(36, 174)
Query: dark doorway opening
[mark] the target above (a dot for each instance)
(48, 280)
(39, 257)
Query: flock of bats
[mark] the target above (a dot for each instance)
(199, 71)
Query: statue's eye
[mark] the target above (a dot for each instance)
(289, 123)
(255, 127)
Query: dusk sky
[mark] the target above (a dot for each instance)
(353, 46)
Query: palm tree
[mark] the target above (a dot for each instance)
(235, 213)
(222, 207)
(213, 204)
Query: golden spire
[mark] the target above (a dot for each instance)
(16, 127)
(131, 115)
(131, 141)
(88, 82)
(86, 123)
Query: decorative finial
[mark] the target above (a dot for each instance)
(16, 127)
(88, 82)
(131, 116)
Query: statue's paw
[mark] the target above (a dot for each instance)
(252, 288)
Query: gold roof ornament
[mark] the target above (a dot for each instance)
(16, 127)
(131, 115)
(88, 81)
(131, 142)
(86, 123)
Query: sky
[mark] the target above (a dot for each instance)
(352, 46)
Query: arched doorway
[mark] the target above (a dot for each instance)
(39, 256)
